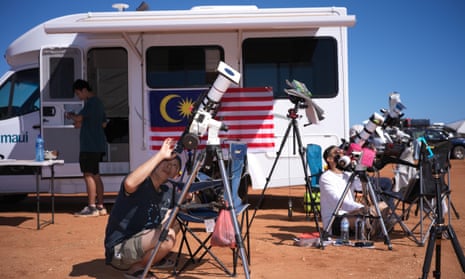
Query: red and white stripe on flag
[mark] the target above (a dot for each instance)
(247, 112)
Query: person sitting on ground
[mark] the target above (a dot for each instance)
(140, 209)
(332, 183)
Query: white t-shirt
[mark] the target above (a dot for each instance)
(332, 186)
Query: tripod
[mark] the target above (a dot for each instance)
(362, 174)
(214, 151)
(292, 115)
(437, 230)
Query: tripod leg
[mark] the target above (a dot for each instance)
(237, 230)
(437, 271)
(373, 197)
(339, 204)
(307, 179)
(278, 154)
(455, 210)
(457, 248)
(429, 252)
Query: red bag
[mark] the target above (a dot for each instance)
(223, 234)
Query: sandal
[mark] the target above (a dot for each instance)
(138, 274)
(165, 263)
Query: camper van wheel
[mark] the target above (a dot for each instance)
(458, 152)
(12, 198)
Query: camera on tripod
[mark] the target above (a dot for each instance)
(379, 141)
(356, 158)
(301, 97)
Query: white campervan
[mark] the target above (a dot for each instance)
(137, 62)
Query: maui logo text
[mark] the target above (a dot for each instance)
(12, 138)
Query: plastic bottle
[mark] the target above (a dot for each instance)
(39, 148)
(289, 210)
(359, 229)
(345, 230)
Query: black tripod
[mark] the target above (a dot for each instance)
(362, 175)
(292, 115)
(213, 151)
(438, 229)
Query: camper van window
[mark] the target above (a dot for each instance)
(108, 74)
(182, 66)
(61, 77)
(22, 97)
(312, 60)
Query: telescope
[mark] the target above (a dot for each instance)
(205, 109)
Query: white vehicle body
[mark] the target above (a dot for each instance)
(120, 53)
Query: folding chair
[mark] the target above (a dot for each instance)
(421, 192)
(315, 165)
(200, 212)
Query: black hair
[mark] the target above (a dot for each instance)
(327, 152)
(80, 84)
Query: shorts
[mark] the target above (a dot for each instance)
(89, 162)
(128, 252)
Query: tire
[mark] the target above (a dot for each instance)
(458, 152)
(12, 198)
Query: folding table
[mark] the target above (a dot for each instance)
(37, 166)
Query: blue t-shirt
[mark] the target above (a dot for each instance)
(92, 135)
(143, 209)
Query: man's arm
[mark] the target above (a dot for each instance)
(333, 193)
(77, 118)
(136, 177)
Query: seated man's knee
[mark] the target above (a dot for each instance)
(170, 240)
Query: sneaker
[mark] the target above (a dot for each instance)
(165, 263)
(102, 211)
(87, 211)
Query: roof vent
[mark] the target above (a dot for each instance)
(121, 7)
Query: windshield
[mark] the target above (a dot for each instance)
(20, 94)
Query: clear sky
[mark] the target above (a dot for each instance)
(414, 47)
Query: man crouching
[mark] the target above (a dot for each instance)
(141, 207)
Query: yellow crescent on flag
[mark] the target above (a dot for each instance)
(163, 111)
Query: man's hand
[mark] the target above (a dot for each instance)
(167, 149)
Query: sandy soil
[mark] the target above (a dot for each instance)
(73, 247)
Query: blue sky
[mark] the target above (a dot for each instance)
(414, 47)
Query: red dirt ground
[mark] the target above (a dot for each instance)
(73, 247)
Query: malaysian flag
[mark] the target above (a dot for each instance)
(247, 112)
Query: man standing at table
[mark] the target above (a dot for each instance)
(92, 121)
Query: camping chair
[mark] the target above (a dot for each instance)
(200, 212)
(421, 192)
(315, 165)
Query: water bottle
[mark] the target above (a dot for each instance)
(345, 230)
(359, 229)
(39, 148)
(289, 209)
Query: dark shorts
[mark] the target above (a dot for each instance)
(89, 162)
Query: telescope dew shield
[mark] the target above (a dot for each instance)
(374, 121)
(227, 75)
